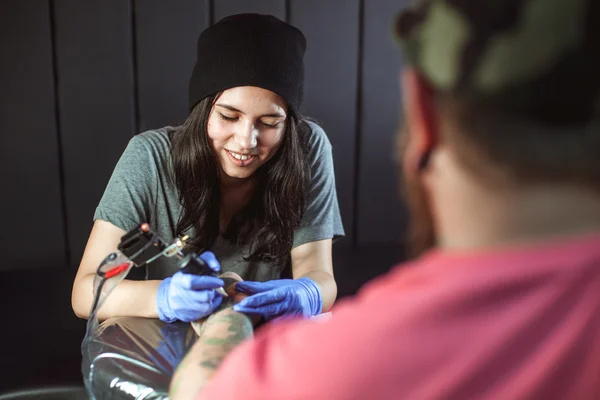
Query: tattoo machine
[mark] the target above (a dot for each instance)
(140, 247)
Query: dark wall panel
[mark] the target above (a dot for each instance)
(332, 32)
(95, 72)
(223, 8)
(380, 212)
(109, 55)
(166, 35)
(32, 225)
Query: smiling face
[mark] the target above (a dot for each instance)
(245, 129)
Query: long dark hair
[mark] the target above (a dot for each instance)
(276, 208)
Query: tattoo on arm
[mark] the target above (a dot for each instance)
(216, 347)
(221, 332)
(227, 302)
(218, 334)
(211, 363)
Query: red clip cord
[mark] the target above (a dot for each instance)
(116, 270)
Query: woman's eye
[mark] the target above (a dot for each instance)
(275, 125)
(226, 118)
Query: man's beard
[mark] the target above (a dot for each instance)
(421, 233)
(420, 236)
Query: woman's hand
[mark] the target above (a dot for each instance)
(187, 297)
(278, 298)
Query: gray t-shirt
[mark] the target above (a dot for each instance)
(141, 189)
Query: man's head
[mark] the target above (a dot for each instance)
(504, 94)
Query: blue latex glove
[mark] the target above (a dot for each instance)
(282, 297)
(187, 297)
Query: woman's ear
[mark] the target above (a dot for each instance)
(421, 123)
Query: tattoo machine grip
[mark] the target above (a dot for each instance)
(193, 264)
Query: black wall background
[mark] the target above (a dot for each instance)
(79, 78)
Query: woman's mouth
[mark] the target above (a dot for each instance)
(239, 159)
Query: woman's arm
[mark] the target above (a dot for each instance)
(129, 298)
(313, 260)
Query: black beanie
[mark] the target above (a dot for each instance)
(250, 50)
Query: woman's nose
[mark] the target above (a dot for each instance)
(246, 136)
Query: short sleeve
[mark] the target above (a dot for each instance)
(322, 219)
(129, 196)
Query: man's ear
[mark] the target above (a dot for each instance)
(420, 115)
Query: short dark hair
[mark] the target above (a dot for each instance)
(495, 143)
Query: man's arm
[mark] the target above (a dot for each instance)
(334, 358)
(220, 333)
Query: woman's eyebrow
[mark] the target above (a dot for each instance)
(231, 108)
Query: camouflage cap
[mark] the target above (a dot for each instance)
(538, 57)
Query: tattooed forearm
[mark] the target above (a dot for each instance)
(228, 302)
(238, 326)
(198, 326)
(211, 363)
(176, 381)
(218, 334)
(226, 331)
(221, 332)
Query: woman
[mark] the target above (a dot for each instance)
(245, 177)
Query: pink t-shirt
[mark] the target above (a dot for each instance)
(519, 323)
